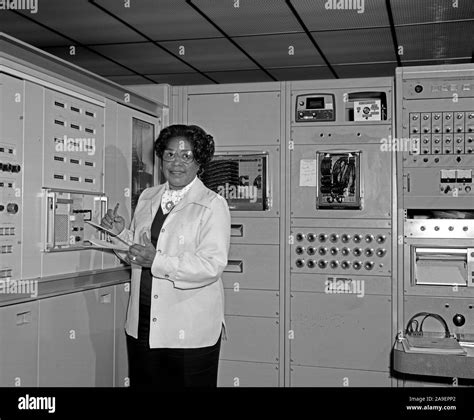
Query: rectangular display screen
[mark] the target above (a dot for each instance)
(315, 103)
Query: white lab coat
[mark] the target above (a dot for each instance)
(187, 298)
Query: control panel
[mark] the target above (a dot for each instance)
(315, 108)
(350, 251)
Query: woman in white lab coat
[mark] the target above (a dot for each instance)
(181, 235)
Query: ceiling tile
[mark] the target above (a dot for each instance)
(27, 31)
(250, 17)
(82, 21)
(355, 46)
(275, 50)
(211, 54)
(302, 73)
(345, 71)
(422, 11)
(88, 60)
(359, 14)
(181, 79)
(162, 19)
(144, 58)
(242, 76)
(436, 41)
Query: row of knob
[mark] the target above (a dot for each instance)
(12, 208)
(356, 265)
(345, 238)
(368, 252)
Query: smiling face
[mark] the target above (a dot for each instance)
(177, 172)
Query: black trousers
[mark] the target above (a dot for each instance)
(165, 368)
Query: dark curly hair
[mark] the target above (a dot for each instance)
(202, 143)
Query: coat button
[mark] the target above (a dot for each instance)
(159, 251)
(167, 275)
(154, 319)
(162, 230)
(156, 296)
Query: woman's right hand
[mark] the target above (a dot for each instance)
(113, 221)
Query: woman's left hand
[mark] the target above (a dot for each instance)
(142, 254)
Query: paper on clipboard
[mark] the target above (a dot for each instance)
(97, 243)
(307, 172)
(111, 233)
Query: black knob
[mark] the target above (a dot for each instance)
(418, 88)
(2, 207)
(311, 250)
(345, 265)
(299, 250)
(459, 320)
(322, 264)
(345, 251)
(345, 238)
(357, 252)
(311, 237)
(357, 238)
(322, 237)
(334, 237)
(310, 263)
(322, 251)
(299, 263)
(334, 250)
(300, 237)
(12, 208)
(334, 264)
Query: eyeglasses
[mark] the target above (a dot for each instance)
(186, 156)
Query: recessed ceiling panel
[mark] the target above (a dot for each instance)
(82, 21)
(422, 11)
(179, 79)
(162, 19)
(210, 54)
(144, 58)
(356, 46)
(249, 17)
(88, 60)
(436, 41)
(241, 76)
(321, 15)
(302, 73)
(290, 50)
(27, 31)
(346, 71)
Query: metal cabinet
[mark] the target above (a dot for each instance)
(19, 345)
(76, 339)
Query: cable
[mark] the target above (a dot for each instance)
(419, 327)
